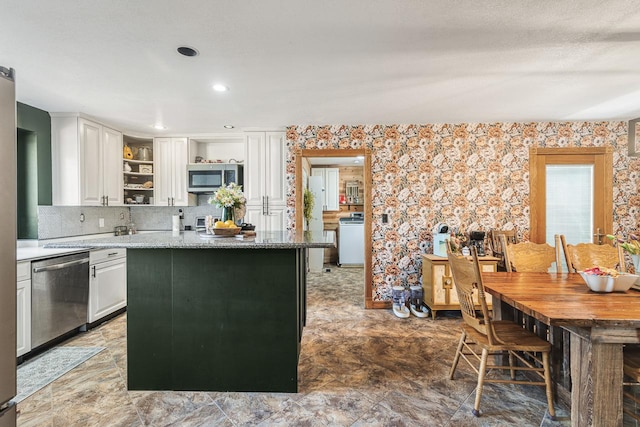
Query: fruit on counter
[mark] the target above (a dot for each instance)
(226, 224)
(602, 271)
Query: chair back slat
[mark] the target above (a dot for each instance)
(587, 255)
(530, 257)
(468, 279)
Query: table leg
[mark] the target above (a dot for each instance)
(596, 376)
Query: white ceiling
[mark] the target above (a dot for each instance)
(324, 62)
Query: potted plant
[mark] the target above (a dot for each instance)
(309, 203)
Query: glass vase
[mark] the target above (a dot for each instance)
(636, 262)
(228, 213)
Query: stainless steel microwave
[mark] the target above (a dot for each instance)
(208, 177)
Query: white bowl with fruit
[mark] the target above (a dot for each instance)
(602, 279)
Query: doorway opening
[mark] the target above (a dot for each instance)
(305, 159)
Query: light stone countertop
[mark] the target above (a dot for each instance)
(33, 250)
(194, 240)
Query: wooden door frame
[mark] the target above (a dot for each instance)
(368, 216)
(604, 156)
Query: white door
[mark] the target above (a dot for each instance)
(275, 180)
(112, 167)
(321, 172)
(91, 163)
(23, 325)
(253, 215)
(255, 173)
(332, 189)
(107, 288)
(162, 153)
(276, 218)
(180, 160)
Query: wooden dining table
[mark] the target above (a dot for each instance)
(598, 326)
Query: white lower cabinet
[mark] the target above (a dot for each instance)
(107, 282)
(267, 218)
(23, 308)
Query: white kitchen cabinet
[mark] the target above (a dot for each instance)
(23, 308)
(265, 185)
(171, 158)
(107, 282)
(87, 162)
(331, 179)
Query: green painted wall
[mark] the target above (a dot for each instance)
(34, 167)
(27, 200)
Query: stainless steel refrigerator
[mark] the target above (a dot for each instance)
(8, 202)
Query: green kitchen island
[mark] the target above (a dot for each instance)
(214, 314)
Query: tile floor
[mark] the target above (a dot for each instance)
(357, 368)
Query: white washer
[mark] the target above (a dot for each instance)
(351, 241)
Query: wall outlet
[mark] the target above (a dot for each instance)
(101, 222)
(385, 218)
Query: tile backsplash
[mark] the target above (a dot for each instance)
(65, 221)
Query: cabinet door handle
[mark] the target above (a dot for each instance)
(263, 206)
(106, 200)
(173, 201)
(168, 201)
(267, 197)
(93, 272)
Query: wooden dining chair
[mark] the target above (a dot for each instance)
(530, 257)
(587, 255)
(483, 337)
(632, 371)
(496, 246)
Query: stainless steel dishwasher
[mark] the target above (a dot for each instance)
(59, 296)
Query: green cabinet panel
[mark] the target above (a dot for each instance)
(233, 318)
(149, 304)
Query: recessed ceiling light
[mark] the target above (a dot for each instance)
(220, 87)
(159, 127)
(187, 51)
(229, 126)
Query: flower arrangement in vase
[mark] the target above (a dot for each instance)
(229, 198)
(632, 246)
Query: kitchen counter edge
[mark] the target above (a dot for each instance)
(193, 240)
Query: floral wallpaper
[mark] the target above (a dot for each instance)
(474, 176)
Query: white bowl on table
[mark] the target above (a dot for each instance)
(598, 283)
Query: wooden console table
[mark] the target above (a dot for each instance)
(437, 281)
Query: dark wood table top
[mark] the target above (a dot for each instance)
(564, 300)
